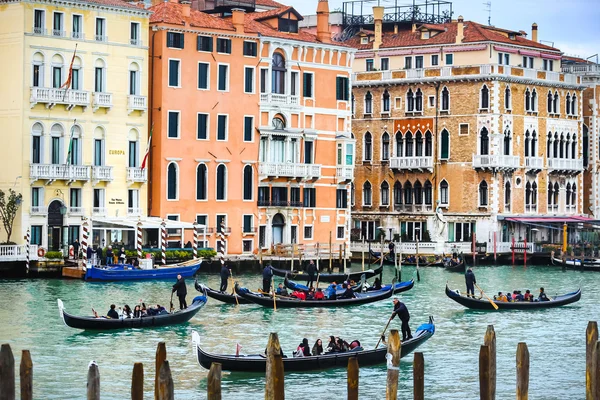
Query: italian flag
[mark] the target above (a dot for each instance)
(68, 161)
(148, 148)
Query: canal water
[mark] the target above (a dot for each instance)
(29, 319)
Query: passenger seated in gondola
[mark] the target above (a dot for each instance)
(144, 310)
(299, 295)
(160, 310)
(319, 295)
(332, 346)
(127, 313)
(376, 285)
(501, 297)
(342, 345)
(528, 296)
(332, 291)
(422, 260)
(348, 293)
(519, 296)
(112, 313)
(137, 312)
(303, 349)
(311, 294)
(281, 290)
(355, 346)
(542, 296)
(317, 349)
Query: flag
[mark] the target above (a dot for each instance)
(148, 148)
(70, 151)
(70, 74)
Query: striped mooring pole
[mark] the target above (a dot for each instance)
(28, 242)
(195, 242)
(222, 243)
(84, 241)
(163, 242)
(138, 243)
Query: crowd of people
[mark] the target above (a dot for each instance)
(518, 296)
(335, 345)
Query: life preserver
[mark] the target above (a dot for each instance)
(71, 251)
(41, 252)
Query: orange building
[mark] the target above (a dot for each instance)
(251, 123)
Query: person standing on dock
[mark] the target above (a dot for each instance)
(311, 270)
(401, 311)
(267, 276)
(109, 256)
(76, 249)
(181, 290)
(225, 274)
(470, 281)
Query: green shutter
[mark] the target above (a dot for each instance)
(304, 84)
(210, 43)
(338, 88)
(445, 150)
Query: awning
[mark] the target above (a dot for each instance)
(551, 56)
(506, 49)
(529, 53)
(549, 220)
(147, 223)
(364, 55)
(401, 52)
(465, 48)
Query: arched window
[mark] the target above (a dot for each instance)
(172, 181)
(57, 133)
(533, 144)
(278, 74)
(534, 196)
(445, 99)
(483, 194)
(201, 182)
(548, 144)
(427, 193)
(550, 195)
(419, 144)
(534, 100)
(57, 71)
(527, 140)
(397, 193)
(568, 197)
(418, 192)
(368, 147)
(444, 193)
(527, 100)
(485, 98)
(352, 194)
(385, 194)
(556, 145)
(507, 145)
(368, 103)
(555, 193)
(567, 145)
(367, 194)
(556, 103)
(507, 196)
(419, 100)
(99, 76)
(221, 182)
(37, 147)
(134, 79)
(508, 98)
(574, 104)
(74, 156)
(37, 76)
(428, 144)
(568, 104)
(408, 149)
(574, 147)
(549, 102)
(528, 197)
(484, 142)
(278, 123)
(562, 146)
(399, 145)
(353, 104)
(385, 146)
(410, 101)
(445, 145)
(408, 193)
(574, 197)
(248, 182)
(386, 102)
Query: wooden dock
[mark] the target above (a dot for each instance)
(74, 271)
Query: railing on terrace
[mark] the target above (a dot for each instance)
(18, 252)
(53, 96)
(282, 99)
(55, 172)
(411, 162)
(495, 161)
(565, 164)
(290, 170)
(137, 174)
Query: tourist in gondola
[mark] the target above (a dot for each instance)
(317, 349)
(127, 313)
(298, 294)
(319, 295)
(281, 290)
(528, 296)
(267, 277)
(332, 346)
(332, 291)
(112, 313)
(355, 346)
(181, 290)
(470, 281)
(348, 292)
(303, 350)
(542, 296)
(137, 312)
(311, 294)
(311, 270)
(342, 345)
(376, 285)
(401, 311)
(225, 275)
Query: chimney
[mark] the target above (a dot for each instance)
(460, 29)
(378, 16)
(413, 29)
(237, 19)
(534, 32)
(186, 7)
(323, 32)
(395, 29)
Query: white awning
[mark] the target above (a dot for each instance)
(147, 223)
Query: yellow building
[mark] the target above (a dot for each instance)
(101, 115)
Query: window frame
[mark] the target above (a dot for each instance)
(199, 41)
(229, 47)
(251, 129)
(207, 76)
(177, 180)
(178, 124)
(255, 48)
(246, 68)
(226, 127)
(207, 126)
(437, 60)
(178, 60)
(181, 35)
(447, 203)
(369, 65)
(449, 56)
(312, 85)
(227, 77)
(251, 223)
(226, 183)
(312, 232)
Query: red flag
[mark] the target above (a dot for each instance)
(148, 148)
(69, 76)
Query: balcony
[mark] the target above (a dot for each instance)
(412, 163)
(137, 174)
(226, 230)
(280, 203)
(101, 174)
(134, 211)
(279, 99)
(101, 100)
(38, 210)
(534, 163)
(495, 162)
(101, 38)
(56, 172)
(99, 211)
(39, 31)
(59, 33)
(135, 42)
(344, 174)
(52, 97)
(77, 35)
(76, 211)
(565, 165)
(289, 170)
(136, 103)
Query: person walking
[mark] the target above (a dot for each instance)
(89, 253)
(401, 311)
(181, 290)
(311, 270)
(267, 276)
(470, 281)
(76, 249)
(225, 274)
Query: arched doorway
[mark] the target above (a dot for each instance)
(56, 211)
(278, 224)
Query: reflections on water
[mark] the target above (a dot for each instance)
(29, 319)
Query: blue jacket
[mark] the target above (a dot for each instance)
(267, 273)
(332, 291)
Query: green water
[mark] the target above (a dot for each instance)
(29, 319)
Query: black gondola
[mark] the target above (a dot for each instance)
(340, 277)
(257, 362)
(390, 261)
(290, 302)
(303, 288)
(398, 287)
(221, 296)
(460, 267)
(484, 304)
(106, 324)
(587, 264)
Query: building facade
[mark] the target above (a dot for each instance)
(463, 131)
(252, 122)
(75, 108)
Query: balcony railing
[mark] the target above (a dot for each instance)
(495, 162)
(137, 174)
(134, 211)
(582, 69)
(290, 170)
(279, 203)
(54, 172)
(59, 33)
(38, 210)
(37, 30)
(76, 211)
(345, 173)
(52, 97)
(18, 252)
(135, 42)
(101, 38)
(99, 211)
(565, 164)
(77, 35)
(280, 99)
(102, 174)
(101, 100)
(412, 163)
(136, 103)
(535, 163)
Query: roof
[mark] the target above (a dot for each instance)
(269, 3)
(109, 3)
(278, 12)
(473, 33)
(172, 13)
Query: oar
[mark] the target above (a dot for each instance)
(233, 293)
(385, 329)
(487, 297)
(171, 304)
(274, 299)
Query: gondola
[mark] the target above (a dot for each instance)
(303, 288)
(398, 287)
(257, 362)
(339, 277)
(484, 304)
(221, 296)
(106, 324)
(126, 272)
(589, 264)
(289, 302)
(460, 267)
(390, 261)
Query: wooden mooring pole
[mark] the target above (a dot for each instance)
(484, 373)
(419, 376)
(394, 347)
(161, 356)
(522, 371)
(591, 337)
(166, 390)
(352, 378)
(7, 373)
(137, 382)
(93, 382)
(26, 375)
(596, 365)
(274, 382)
(214, 382)
(490, 340)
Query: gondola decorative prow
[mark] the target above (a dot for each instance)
(61, 308)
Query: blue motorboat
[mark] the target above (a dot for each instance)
(127, 272)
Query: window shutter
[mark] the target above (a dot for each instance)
(304, 85)
(445, 145)
(338, 89)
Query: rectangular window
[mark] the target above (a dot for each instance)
(308, 152)
(55, 150)
(74, 152)
(205, 43)
(449, 59)
(133, 154)
(75, 198)
(134, 34)
(133, 200)
(463, 129)
(263, 80)
(308, 232)
(308, 84)
(203, 76)
(98, 199)
(133, 83)
(294, 84)
(295, 197)
(36, 235)
(248, 128)
(223, 46)
(173, 125)
(39, 21)
(222, 127)
(57, 24)
(407, 62)
(175, 40)
(37, 73)
(288, 25)
(341, 196)
(248, 222)
(250, 49)
(36, 196)
(98, 152)
(310, 198)
(201, 219)
(56, 77)
(385, 64)
(418, 61)
(369, 65)
(340, 233)
(36, 149)
(503, 58)
(77, 27)
(247, 245)
(248, 80)
(202, 129)
(174, 73)
(99, 80)
(223, 78)
(342, 88)
(221, 223)
(100, 29)
(435, 60)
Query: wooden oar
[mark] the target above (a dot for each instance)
(171, 303)
(487, 297)
(385, 329)
(274, 299)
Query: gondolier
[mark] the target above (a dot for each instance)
(311, 270)
(225, 274)
(391, 247)
(470, 281)
(267, 277)
(401, 311)
(181, 290)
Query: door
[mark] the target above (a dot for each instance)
(278, 225)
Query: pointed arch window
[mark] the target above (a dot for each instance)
(556, 145)
(399, 145)
(548, 144)
(352, 194)
(201, 182)
(248, 182)
(574, 147)
(508, 98)
(568, 197)
(527, 140)
(567, 145)
(385, 194)
(550, 102)
(555, 194)
(410, 101)
(556, 103)
(221, 182)
(368, 103)
(408, 149)
(428, 144)
(386, 102)
(574, 197)
(528, 100)
(507, 139)
(419, 100)
(172, 181)
(484, 142)
(483, 194)
(385, 147)
(445, 145)
(419, 144)
(534, 146)
(568, 104)
(534, 101)
(485, 98)
(278, 74)
(368, 147)
(397, 193)
(445, 99)
(550, 195)
(408, 193)
(418, 193)
(367, 194)
(574, 104)
(444, 193)
(562, 146)
(427, 193)
(507, 196)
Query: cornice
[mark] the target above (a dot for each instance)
(142, 12)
